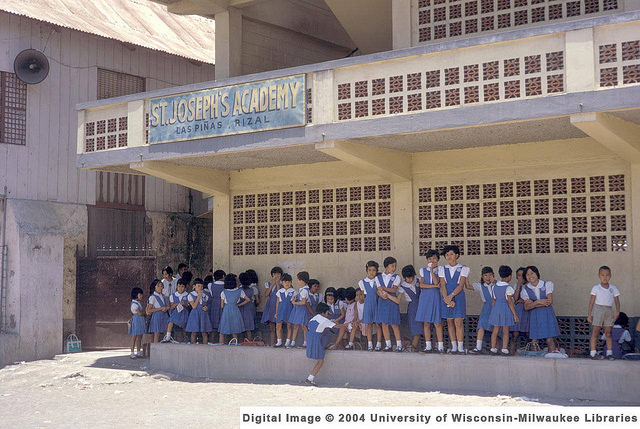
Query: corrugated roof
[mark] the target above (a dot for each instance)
(139, 22)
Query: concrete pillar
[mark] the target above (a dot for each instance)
(221, 237)
(322, 94)
(401, 23)
(580, 57)
(228, 43)
(634, 243)
(136, 126)
(402, 214)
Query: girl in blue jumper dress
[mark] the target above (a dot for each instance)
(538, 298)
(388, 312)
(215, 309)
(158, 308)
(453, 278)
(179, 302)
(485, 289)
(369, 287)
(269, 311)
(138, 326)
(248, 311)
(283, 309)
(231, 321)
(503, 313)
(429, 306)
(522, 325)
(410, 289)
(336, 313)
(318, 337)
(300, 315)
(199, 320)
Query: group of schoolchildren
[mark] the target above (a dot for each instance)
(434, 293)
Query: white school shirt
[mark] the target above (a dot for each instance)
(509, 291)
(176, 298)
(303, 293)
(342, 305)
(283, 293)
(360, 308)
(169, 287)
(336, 306)
(624, 337)
(361, 284)
(385, 280)
(424, 273)
(411, 286)
(478, 288)
(193, 295)
(323, 323)
(223, 297)
(464, 272)
(524, 293)
(604, 296)
(134, 307)
(210, 285)
(155, 300)
(256, 292)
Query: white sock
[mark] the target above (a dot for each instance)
(351, 343)
(440, 346)
(370, 344)
(378, 344)
(593, 353)
(293, 343)
(388, 343)
(279, 342)
(505, 351)
(494, 350)
(609, 352)
(454, 346)
(460, 345)
(428, 345)
(399, 344)
(479, 345)
(304, 344)
(311, 377)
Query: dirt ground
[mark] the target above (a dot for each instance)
(106, 389)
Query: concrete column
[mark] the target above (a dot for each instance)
(634, 243)
(401, 23)
(580, 57)
(221, 227)
(228, 43)
(322, 94)
(402, 214)
(136, 126)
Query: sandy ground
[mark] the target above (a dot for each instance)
(107, 389)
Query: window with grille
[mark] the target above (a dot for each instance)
(13, 109)
(116, 84)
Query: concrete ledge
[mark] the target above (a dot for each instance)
(561, 378)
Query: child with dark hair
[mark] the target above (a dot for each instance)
(188, 276)
(349, 312)
(410, 289)
(199, 320)
(485, 289)
(335, 312)
(253, 279)
(138, 327)
(318, 336)
(248, 311)
(369, 287)
(169, 282)
(179, 302)
(182, 267)
(453, 279)
(522, 325)
(503, 313)
(603, 296)
(388, 311)
(283, 309)
(538, 298)
(269, 310)
(340, 298)
(621, 339)
(300, 315)
(429, 305)
(232, 297)
(215, 309)
(157, 307)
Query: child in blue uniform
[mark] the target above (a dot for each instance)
(247, 311)
(317, 338)
(621, 339)
(215, 309)
(336, 314)
(283, 309)
(503, 314)
(179, 302)
(485, 289)
(232, 297)
(253, 279)
(157, 307)
(410, 289)
(369, 287)
(299, 316)
(522, 325)
(453, 278)
(429, 304)
(199, 320)
(269, 311)
(388, 312)
(538, 298)
(138, 326)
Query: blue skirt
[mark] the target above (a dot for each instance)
(284, 311)
(159, 322)
(199, 321)
(316, 343)
(523, 318)
(215, 311)
(299, 315)
(460, 310)
(231, 321)
(370, 308)
(543, 323)
(388, 312)
(429, 306)
(138, 325)
(269, 311)
(415, 327)
(483, 320)
(248, 316)
(501, 314)
(179, 319)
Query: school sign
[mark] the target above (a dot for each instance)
(257, 106)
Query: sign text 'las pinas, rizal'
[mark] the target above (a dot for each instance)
(258, 106)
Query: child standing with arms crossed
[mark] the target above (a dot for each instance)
(283, 309)
(199, 320)
(538, 297)
(317, 338)
(429, 304)
(601, 311)
(388, 308)
(137, 328)
(503, 313)
(368, 286)
(158, 307)
(453, 278)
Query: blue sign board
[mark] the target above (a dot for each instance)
(257, 106)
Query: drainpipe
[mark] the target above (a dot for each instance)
(3, 263)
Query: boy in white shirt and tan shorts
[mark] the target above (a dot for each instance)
(601, 312)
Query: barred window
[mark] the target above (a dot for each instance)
(116, 84)
(13, 109)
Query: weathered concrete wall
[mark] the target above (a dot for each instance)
(35, 282)
(563, 378)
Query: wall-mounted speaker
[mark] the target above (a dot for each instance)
(31, 66)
